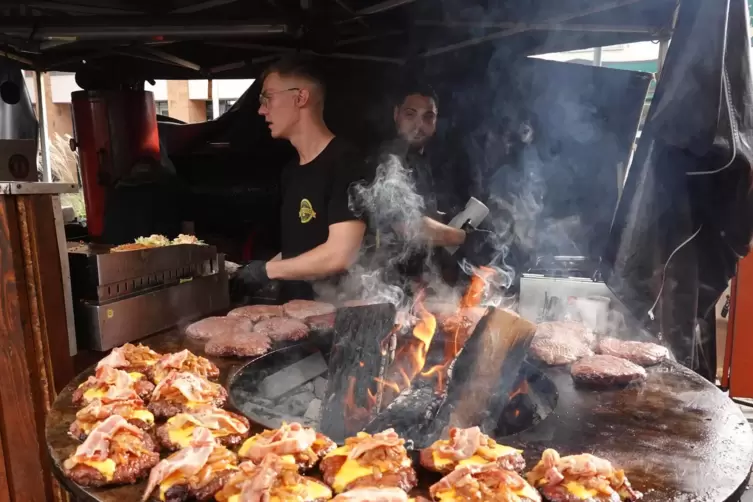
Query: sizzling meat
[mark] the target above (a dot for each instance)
(324, 322)
(580, 478)
(292, 442)
(110, 384)
(208, 328)
(606, 371)
(197, 471)
(115, 452)
(238, 344)
(96, 412)
(281, 329)
(272, 480)
(186, 361)
(131, 358)
(486, 483)
(303, 309)
(557, 343)
(468, 447)
(645, 354)
(257, 313)
(229, 429)
(369, 461)
(184, 392)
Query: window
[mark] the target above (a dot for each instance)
(225, 105)
(162, 108)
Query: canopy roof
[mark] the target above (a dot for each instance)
(235, 38)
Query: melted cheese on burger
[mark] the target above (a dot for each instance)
(450, 496)
(105, 467)
(98, 392)
(579, 490)
(143, 415)
(495, 452)
(314, 491)
(351, 470)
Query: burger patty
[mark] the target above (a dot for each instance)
(281, 329)
(162, 408)
(303, 309)
(511, 462)
(182, 492)
(606, 371)
(163, 436)
(643, 353)
(128, 473)
(257, 313)
(210, 327)
(142, 387)
(559, 493)
(237, 344)
(403, 478)
(324, 322)
(557, 343)
(76, 432)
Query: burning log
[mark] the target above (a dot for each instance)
(486, 370)
(293, 376)
(363, 348)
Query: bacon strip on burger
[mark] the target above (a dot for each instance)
(378, 461)
(182, 392)
(112, 384)
(228, 428)
(198, 471)
(272, 480)
(580, 478)
(293, 443)
(184, 361)
(377, 495)
(470, 447)
(483, 483)
(131, 358)
(115, 452)
(97, 411)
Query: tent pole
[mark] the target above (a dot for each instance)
(43, 138)
(597, 56)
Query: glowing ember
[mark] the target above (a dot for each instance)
(522, 389)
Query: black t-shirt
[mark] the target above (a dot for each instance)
(316, 195)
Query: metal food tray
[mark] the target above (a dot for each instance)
(102, 276)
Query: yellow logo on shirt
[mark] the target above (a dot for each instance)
(306, 212)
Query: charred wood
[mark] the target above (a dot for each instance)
(361, 352)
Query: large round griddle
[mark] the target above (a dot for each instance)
(677, 436)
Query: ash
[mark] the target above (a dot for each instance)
(302, 404)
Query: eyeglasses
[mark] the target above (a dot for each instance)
(264, 97)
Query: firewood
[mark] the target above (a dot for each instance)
(361, 352)
(487, 369)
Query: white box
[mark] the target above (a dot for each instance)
(18, 160)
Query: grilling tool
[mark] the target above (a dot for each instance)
(474, 213)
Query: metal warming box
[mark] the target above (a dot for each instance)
(551, 289)
(124, 296)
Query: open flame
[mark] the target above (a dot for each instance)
(411, 357)
(474, 295)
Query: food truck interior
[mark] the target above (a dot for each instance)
(656, 230)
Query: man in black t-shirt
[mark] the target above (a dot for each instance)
(415, 116)
(321, 234)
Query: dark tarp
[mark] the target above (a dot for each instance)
(17, 121)
(685, 216)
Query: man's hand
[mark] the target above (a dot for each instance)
(252, 276)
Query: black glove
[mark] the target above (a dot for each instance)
(253, 274)
(249, 279)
